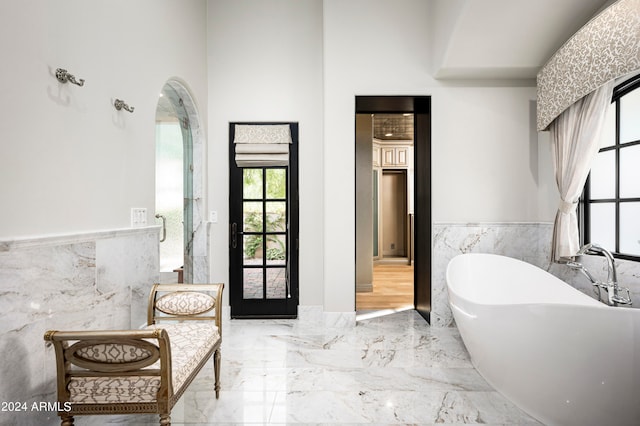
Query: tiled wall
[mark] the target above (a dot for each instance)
(628, 276)
(530, 242)
(89, 281)
(519, 240)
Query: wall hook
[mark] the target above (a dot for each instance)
(120, 104)
(64, 76)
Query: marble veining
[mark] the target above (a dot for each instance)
(97, 280)
(628, 271)
(306, 372)
(530, 242)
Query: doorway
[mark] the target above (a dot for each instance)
(263, 220)
(409, 238)
(179, 164)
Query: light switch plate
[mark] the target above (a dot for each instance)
(138, 216)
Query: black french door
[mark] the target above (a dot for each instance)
(263, 236)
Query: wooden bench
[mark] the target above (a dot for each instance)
(146, 370)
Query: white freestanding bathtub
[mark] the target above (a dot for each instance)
(561, 356)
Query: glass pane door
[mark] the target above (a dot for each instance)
(264, 233)
(263, 254)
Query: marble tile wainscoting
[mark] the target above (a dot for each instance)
(525, 241)
(530, 242)
(628, 276)
(628, 271)
(70, 282)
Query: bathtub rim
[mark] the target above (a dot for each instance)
(583, 298)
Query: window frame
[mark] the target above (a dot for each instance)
(584, 213)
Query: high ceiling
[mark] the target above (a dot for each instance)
(493, 40)
(502, 39)
(485, 40)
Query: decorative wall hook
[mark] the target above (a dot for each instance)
(120, 104)
(64, 76)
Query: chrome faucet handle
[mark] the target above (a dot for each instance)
(621, 300)
(591, 248)
(580, 267)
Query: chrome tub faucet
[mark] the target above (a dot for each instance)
(611, 286)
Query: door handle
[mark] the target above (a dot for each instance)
(164, 226)
(234, 235)
(234, 229)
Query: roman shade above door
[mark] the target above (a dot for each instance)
(262, 145)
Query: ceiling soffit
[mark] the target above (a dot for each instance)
(502, 39)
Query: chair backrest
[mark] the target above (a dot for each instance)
(185, 302)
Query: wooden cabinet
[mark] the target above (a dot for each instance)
(388, 157)
(376, 156)
(392, 156)
(402, 156)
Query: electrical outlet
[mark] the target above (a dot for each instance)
(138, 217)
(213, 216)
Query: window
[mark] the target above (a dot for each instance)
(610, 204)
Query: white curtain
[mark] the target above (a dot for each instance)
(575, 136)
(262, 145)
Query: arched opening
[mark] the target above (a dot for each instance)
(179, 187)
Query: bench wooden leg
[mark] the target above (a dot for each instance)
(216, 370)
(67, 420)
(165, 420)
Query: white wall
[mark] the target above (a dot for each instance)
(265, 64)
(69, 162)
(486, 164)
(484, 153)
(371, 47)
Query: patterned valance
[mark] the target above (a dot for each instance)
(606, 48)
(262, 145)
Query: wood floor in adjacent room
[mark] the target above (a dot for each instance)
(392, 288)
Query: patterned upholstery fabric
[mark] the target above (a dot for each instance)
(185, 303)
(264, 134)
(113, 353)
(95, 390)
(190, 341)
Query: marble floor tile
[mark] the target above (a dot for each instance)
(388, 370)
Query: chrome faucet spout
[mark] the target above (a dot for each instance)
(611, 285)
(612, 277)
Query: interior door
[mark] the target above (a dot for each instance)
(263, 230)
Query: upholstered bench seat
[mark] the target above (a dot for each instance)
(141, 371)
(190, 343)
